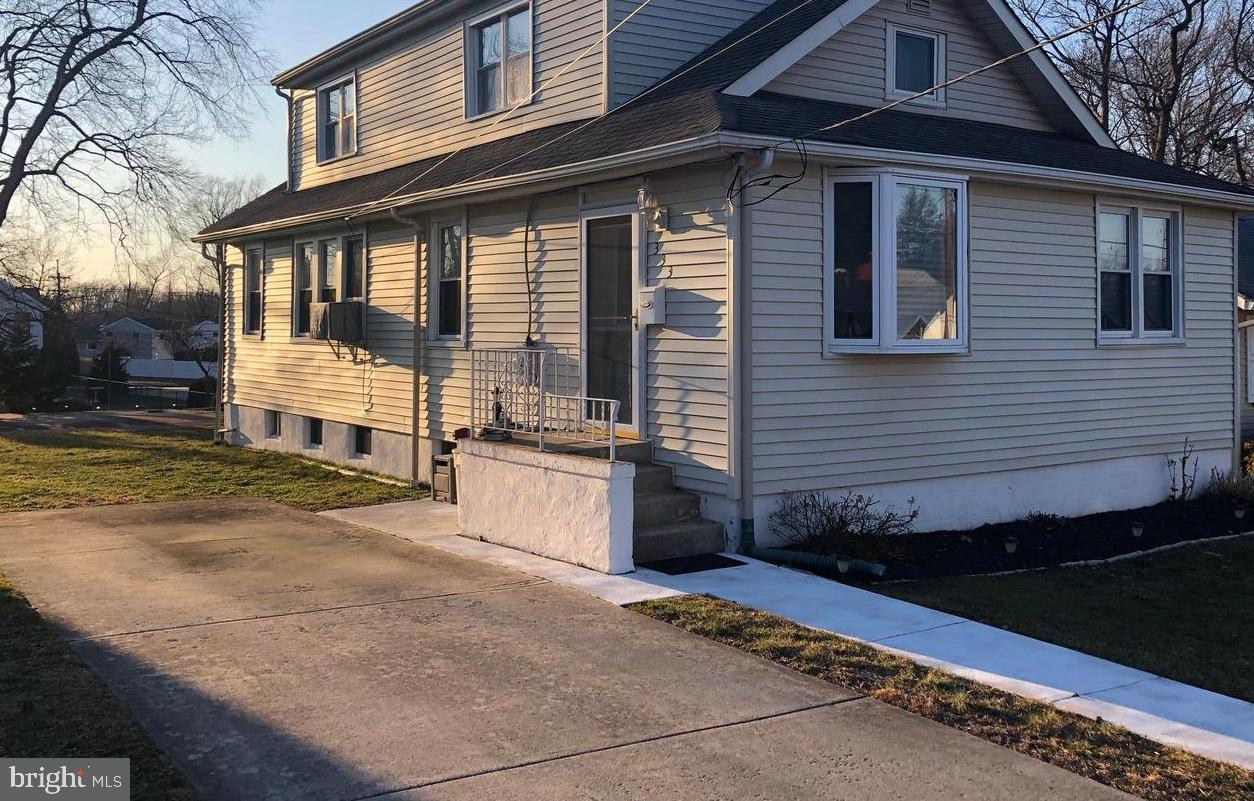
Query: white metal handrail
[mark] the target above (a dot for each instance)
(536, 391)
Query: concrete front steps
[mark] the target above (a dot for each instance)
(668, 522)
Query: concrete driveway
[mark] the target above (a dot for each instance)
(281, 655)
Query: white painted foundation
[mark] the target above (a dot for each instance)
(575, 509)
(391, 452)
(966, 502)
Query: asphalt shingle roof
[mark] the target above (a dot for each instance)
(692, 104)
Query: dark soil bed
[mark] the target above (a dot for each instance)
(1040, 540)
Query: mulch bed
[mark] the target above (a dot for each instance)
(1041, 540)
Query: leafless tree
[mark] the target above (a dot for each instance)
(96, 94)
(1172, 80)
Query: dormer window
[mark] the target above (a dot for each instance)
(337, 119)
(916, 63)
(498, 55)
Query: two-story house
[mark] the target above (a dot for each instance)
(726, 248)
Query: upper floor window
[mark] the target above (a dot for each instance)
(916, 63)
(896, 270)
(447, 293)
(499, 58)
(337, 119)
(252, 291)
(1138, 262)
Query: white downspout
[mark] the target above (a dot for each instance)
(740, 350)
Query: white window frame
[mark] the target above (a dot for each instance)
(1175, 254)
(438, 223)
(470, 59)
(339, 279)
(297, 246)
(939, 62)
(320, 119)
(260, 251)
(884, 264)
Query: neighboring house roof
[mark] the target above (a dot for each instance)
(153, 323)
(691, 105)
(27, 298)
(1245, 257)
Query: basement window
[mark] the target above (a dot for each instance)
(274, 424)
(313, 434)
(362, 440)
(896, 256)
(498, 58)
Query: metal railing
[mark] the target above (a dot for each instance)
(536, 391)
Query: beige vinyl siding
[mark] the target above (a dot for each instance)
(664, 36)
(851, 67)
(1034, 391)
(371, 385)
(1247, 400)
(686, 383)
(410, 100)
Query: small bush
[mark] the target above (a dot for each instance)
(828, 523)
(1232, 487)
(1045, 520)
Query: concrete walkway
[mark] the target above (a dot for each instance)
(278, 655)
(1164, 710)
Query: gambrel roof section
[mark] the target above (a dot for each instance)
(749, 58)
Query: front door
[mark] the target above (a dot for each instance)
(611, 347)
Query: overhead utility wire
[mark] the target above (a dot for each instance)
(992, 65)
(869, 113)
(605, 114)
(798, 141)
(503, 117)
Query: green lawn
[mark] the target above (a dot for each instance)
(89, 467)
(1187, 614)
(1093, 748)
(53, 705)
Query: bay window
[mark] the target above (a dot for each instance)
(896, 267)
(1138, 263)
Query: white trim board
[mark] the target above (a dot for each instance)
(775, 65)
(799, 48)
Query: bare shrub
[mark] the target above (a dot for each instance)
(1232, 487)
(818, 520)
(1183, 472)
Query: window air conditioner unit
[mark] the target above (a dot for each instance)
(337, 322)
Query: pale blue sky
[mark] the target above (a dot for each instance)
(291, 30)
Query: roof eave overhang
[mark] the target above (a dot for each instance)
(1004, 171)
(404, 23)
(653, 157)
